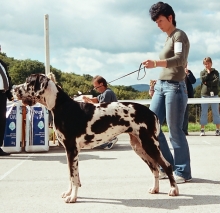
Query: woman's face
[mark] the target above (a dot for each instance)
(163, 23)
(208, 65)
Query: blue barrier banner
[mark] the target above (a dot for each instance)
(38, 126)
(10, 129)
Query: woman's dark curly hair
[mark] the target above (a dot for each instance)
(161, 8)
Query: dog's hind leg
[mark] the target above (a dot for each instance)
(137, 147)
(174, 191)
(150, 153)
(72, 159)
(151, 146)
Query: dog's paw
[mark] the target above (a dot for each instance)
(174, 191)
(70, 199)
(65, 194)
(154, 190)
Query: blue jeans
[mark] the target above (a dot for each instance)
(186, 120)
(169, 101)
(215, 112)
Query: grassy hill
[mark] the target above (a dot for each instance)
(145, 87)
(141, 87)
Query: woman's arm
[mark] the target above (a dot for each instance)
(153, 64)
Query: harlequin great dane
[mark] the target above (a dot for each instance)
(84, 125)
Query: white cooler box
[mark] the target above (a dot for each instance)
(13, 130)
(37, 132)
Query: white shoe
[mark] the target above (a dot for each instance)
(162, 175)
(202, 132)
(179, 179)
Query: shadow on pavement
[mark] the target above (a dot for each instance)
(59, 158)
(200, 180)
(171, 203)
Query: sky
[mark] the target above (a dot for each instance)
(106, 37)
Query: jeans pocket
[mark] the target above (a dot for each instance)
(173, 86)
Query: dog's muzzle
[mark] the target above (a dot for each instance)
(18, 91)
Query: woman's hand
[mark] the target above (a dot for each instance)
(208, 70)
(149, 64)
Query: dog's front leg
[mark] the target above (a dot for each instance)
(68, 192)
(71, 195)
(155, 187)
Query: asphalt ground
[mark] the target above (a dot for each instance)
(113, 181)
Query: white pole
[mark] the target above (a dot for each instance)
(46, 37)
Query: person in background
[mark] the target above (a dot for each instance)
(107, 96)
(170, 93)
(189, 79)
(151, 89)
(209, 89)
(5, 93)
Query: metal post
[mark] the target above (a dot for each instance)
(46, 37)
(196, 113)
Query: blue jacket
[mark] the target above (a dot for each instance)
(190, 79)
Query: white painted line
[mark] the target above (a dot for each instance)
(206, 142)
(15, 167)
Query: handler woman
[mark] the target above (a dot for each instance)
(170, 97)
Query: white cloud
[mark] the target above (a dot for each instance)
(111, 66)
(106, 37)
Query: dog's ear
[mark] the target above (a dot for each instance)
(37, 84)
(31, 79)
(40, 83)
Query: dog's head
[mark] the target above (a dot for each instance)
(32, 91)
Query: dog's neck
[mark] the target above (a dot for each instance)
(50, 95)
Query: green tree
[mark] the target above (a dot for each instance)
(71, 83)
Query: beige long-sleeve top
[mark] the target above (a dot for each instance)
(175, 51)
